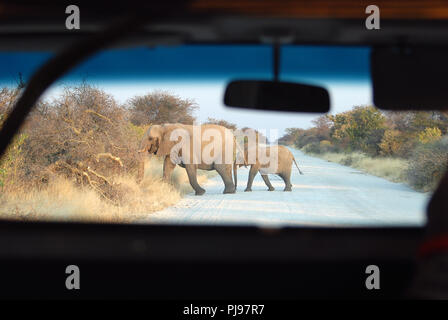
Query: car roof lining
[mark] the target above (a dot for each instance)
(40, 25)
(234, 30)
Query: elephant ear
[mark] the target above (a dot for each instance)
(165, 144)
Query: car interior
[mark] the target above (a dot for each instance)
(405, 65)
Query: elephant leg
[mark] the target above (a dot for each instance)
(268, 183)
(192, 177)
(287, 179)
(168, 168)
(225, 171)
(252, 173)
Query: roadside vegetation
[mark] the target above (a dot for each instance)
(408, 147)
(76, 157)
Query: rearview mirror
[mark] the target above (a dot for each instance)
(276, 96)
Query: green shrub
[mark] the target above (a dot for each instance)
(313, 147)
(139, 131)
(428, 164)
(430, 135)
(325, 143)
(323, 146)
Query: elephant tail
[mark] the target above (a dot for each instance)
(296, 164)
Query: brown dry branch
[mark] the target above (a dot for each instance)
(110, 156)
(99, 115)
(86, 176)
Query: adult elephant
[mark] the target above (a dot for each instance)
(269, 160)
(205, 147)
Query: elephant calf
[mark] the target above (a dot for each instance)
(282, 167)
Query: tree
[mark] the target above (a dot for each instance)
(290, 136)
(391, 143)
(308, 136)
(400, 120)
(424, 119)
(361, 128)
(161, 107)
(323, 125)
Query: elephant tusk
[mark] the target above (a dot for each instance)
(141, 151)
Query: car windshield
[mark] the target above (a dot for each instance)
(93, 147)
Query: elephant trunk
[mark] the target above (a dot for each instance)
(141, 155)
(141, 168)
(141, 162)
(235, 173)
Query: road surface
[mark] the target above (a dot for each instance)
(328, 194)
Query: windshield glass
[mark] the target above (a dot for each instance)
(95, 146)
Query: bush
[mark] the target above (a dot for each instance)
(323, 146)
(429, 135)
(313, 147)
(428, 164)
(305, 137)
(12, 162)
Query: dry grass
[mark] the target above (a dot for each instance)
(62, 200)
(392, 169)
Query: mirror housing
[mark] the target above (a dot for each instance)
(276, 96)
(410, 78)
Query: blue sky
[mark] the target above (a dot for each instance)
(201, 72)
